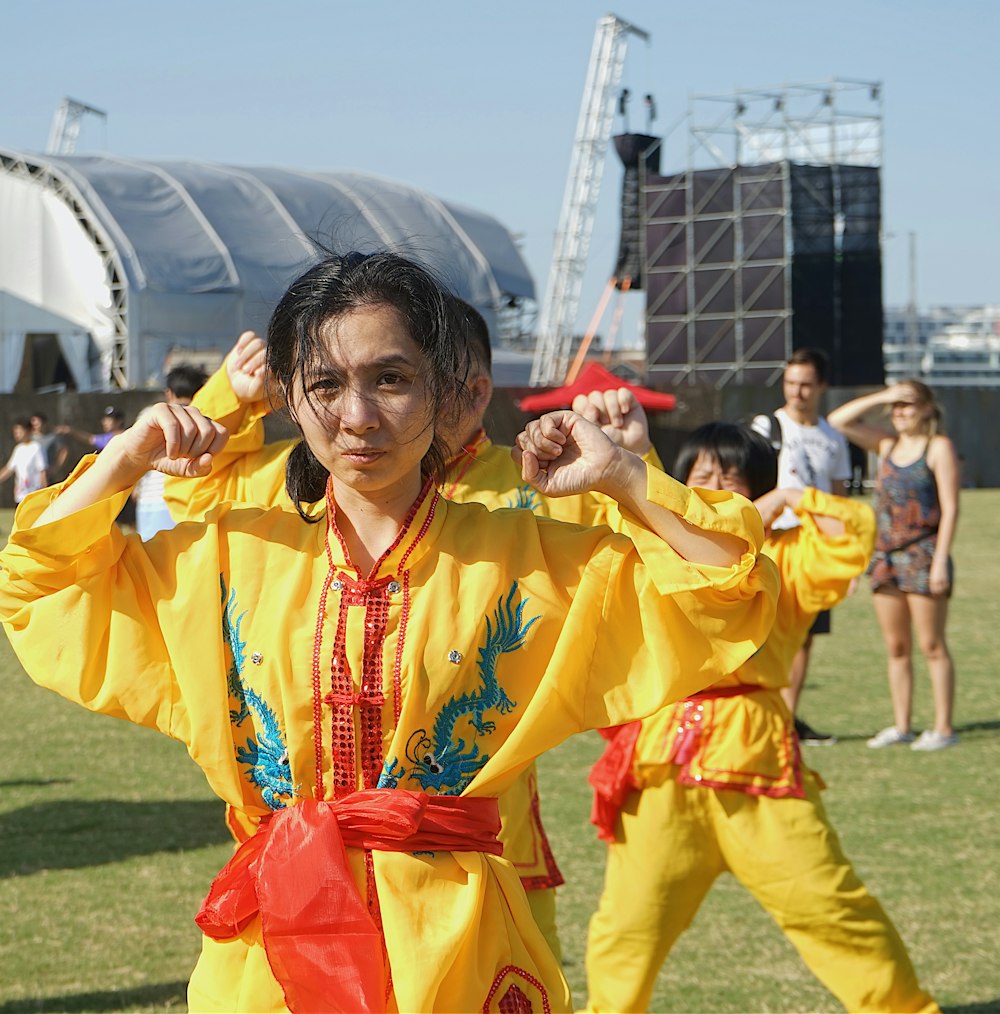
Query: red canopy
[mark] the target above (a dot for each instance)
(594, 377)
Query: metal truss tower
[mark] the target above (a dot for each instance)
(780, 182)
(833, 122)
(583, 184)
(65, 127)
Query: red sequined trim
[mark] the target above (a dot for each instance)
(514, 1000)
(397, 668)
(331, 525)
(423, 528)
(317, 688)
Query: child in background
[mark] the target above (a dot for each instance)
(716, 783)
(26, 463)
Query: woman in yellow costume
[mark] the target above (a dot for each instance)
(476, 469)
(716, 783)
(341, 674)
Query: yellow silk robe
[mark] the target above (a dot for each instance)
(248, 471)
(746, 742)
(722, 788)
(226, 635)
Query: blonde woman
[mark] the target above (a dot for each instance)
(911, 572)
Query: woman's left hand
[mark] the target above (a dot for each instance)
(940, 582)
(561, 453)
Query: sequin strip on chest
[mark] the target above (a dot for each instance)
(375, 597)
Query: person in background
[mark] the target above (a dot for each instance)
(112, 424)
(342, 672)
(917, 496)
(716, 783)
(53, 446)
(26, 462)
(810, 453)
(151, 512)
(477, 470)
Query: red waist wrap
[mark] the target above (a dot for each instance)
(323, 946)
(611, 776)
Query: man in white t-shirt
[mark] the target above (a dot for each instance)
(810, 453)
(26, 463)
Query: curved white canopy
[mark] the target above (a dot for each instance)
(136, 258)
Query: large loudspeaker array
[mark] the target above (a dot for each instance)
(745, 264)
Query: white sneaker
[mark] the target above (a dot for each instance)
(930, 739)
(891, 736)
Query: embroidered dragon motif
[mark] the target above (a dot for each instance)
(265, 755)
(525, 497)
(441, 759)
(231, 623)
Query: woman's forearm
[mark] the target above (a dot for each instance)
(697, 545)
(854, 410)
(105, 478)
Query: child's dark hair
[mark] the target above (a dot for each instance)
(476, 334)
(737, 448)
(337, 286)
(185, 380)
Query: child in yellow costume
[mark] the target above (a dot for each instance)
(343, 674)
(477, 471)
(716, 783)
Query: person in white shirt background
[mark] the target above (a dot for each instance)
(151, 512)
(810, 453)
(27, 462)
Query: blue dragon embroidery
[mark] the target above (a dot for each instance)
(266, 756)
(442, 760)
(525, 497)
(231, 623)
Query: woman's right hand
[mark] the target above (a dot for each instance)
(173, 439)
(898, 392)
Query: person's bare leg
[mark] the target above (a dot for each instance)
(797, 675)
(930, 613)
(894, 621)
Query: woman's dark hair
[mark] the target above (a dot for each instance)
(737, 448)
(336, 287)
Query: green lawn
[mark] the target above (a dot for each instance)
(109, 836)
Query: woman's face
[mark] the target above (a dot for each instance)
(707, 473)
(909, 415)
(365, 410)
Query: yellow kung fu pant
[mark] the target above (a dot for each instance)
(673, 843)
(543, 907)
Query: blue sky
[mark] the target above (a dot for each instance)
(477, 102)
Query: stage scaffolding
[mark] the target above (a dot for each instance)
(769, 240)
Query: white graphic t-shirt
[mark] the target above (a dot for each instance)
(814, 456)
(27, 462)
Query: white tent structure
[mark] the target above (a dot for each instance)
(123, 261)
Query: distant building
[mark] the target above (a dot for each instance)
(946, 346)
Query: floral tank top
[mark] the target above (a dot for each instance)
(906, 503)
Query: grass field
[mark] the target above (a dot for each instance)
(109, 836)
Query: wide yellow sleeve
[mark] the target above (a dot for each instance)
(245, 471)
(90, 613)
(642, 627)
(699, 622)
(817, 569)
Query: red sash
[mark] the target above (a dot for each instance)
(322, 944)
(611, 776)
